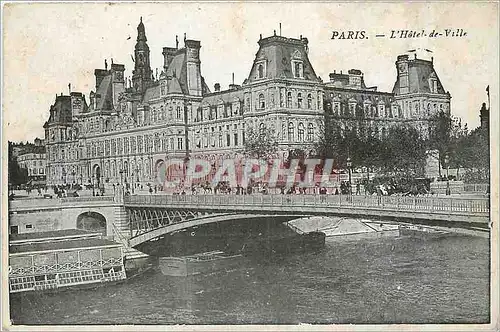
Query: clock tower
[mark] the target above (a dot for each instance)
(142, 74)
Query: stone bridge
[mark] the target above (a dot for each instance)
(151, 216)
(39, 215)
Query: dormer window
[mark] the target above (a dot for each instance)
(298, 69)
(162, 88)
(433, 85)
(261, 69)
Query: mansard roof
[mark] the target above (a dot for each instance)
(60, 112)
(278, 53)
(151, 93)
(227, 96)
(177, 70)
(105, 101)
(419, 73)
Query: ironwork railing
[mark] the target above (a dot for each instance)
(399, 203)
(476, 187)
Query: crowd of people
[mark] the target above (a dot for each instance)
(380, 186)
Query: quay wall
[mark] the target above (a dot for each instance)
(52, 218)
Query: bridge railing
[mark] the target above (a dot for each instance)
(34, 203)
(403, 203)
(87, 199)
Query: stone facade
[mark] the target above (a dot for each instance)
(129, 128)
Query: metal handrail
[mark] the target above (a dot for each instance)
(420, 204)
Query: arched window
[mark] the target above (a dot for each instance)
(384, 133)
(262, 127)
(260, 69)
(301, 132)
(291, 132)
(299, 100)
(262, 102)
(162, 88)
(162, 113)
(309, 101)
(289, 100)
(310, 132)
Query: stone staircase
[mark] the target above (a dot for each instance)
(121, 234)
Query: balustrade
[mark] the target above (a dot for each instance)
(399, 203)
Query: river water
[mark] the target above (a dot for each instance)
(379, 280)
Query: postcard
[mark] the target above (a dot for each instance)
(250, 165)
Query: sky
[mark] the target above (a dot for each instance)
(48, 45)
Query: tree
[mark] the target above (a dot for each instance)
(439, 136)
(474, 155)
(17, 175)
(404, 151)
(260, 144)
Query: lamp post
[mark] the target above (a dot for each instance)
(349, 167)
(446, 160)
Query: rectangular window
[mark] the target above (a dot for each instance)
(179, 143)
(29, 226)
(236, 139)
(228, 139)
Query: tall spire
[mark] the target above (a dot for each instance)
(141, 76)
(141, 32)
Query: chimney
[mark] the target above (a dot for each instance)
(92, 99)
(99, 76)
(217, 87)
(233, 78)
(97, 98)
(168, 55)
(69, 88)
(176, 42)
(105, 64)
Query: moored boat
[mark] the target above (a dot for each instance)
(203, 263)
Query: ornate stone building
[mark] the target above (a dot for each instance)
(129, 128)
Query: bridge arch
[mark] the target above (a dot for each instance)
(92, 221)
(203, 219)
